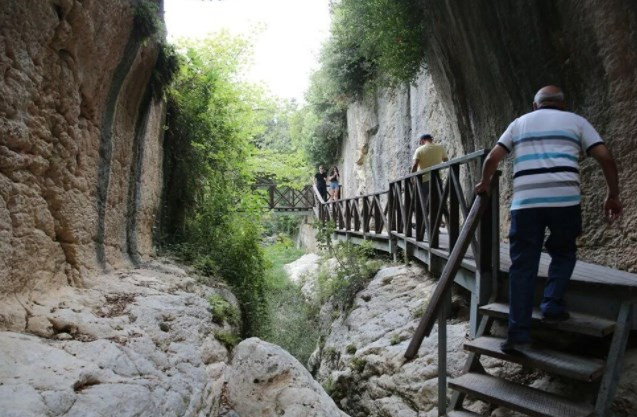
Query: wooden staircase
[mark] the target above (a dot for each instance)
(601, 373)
(467, 252)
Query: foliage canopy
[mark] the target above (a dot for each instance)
(373, 43)
(223, 135)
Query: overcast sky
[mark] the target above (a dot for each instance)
(287, 48)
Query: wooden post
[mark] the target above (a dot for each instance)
(615, 360)
(334, 215)
(271, 193)
(454, 210)
(448, 275)
(488, 255)
(442, 355)
(366, 216)
(434, 202)
(391, 221)
(406, 208)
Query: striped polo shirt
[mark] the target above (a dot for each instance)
(546, 145)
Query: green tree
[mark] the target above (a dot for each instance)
(211, 216)
(373, 43)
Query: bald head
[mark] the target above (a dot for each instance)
(550, 95)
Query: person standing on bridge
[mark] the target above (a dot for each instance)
(427, 155)
(320, 179)
(546, 145)
(334, 178)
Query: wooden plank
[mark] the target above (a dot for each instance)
(530, 401)
(584, 272)
(577, 323)
(462, 413)
(559, 363)
(447, 277)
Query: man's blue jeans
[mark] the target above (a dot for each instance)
(526, 237)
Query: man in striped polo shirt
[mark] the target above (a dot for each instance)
(546, 145)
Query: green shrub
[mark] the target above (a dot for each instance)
(350, 349)
(210, 216)
(165, 70)
(329, 386)
(147, 21)
(223, 311)
(281, 225)
(373, 43)
(227, 339)
(358, 364)
(419, 311)
(354, 269)
(330, 354)
(290, 321)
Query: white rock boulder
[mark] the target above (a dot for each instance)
(266, 381)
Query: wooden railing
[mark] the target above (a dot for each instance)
(456, 234)
(418, 213)
(288, 199)
(365, 215)
(438, 223)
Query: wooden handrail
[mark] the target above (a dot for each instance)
(448, 274)
(317, 194)
(455, 161)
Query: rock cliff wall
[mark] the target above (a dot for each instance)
(383, 133)
(80, 143)
(485, 61)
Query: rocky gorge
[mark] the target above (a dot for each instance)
(93, 323)
(361, 363)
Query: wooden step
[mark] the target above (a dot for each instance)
(577, 323)
(555, 362)
(526, 400)
(462, 413)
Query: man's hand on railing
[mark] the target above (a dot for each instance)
(483, 187)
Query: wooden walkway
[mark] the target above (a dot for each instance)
(435, 225)
(584, 272)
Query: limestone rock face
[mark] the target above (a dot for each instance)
(72, 94)
(265, 380)
(306, 236)
(135, 343)
(303, 272)
(361, 363)
(488, 59)
(383, 132)
(485, 61)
